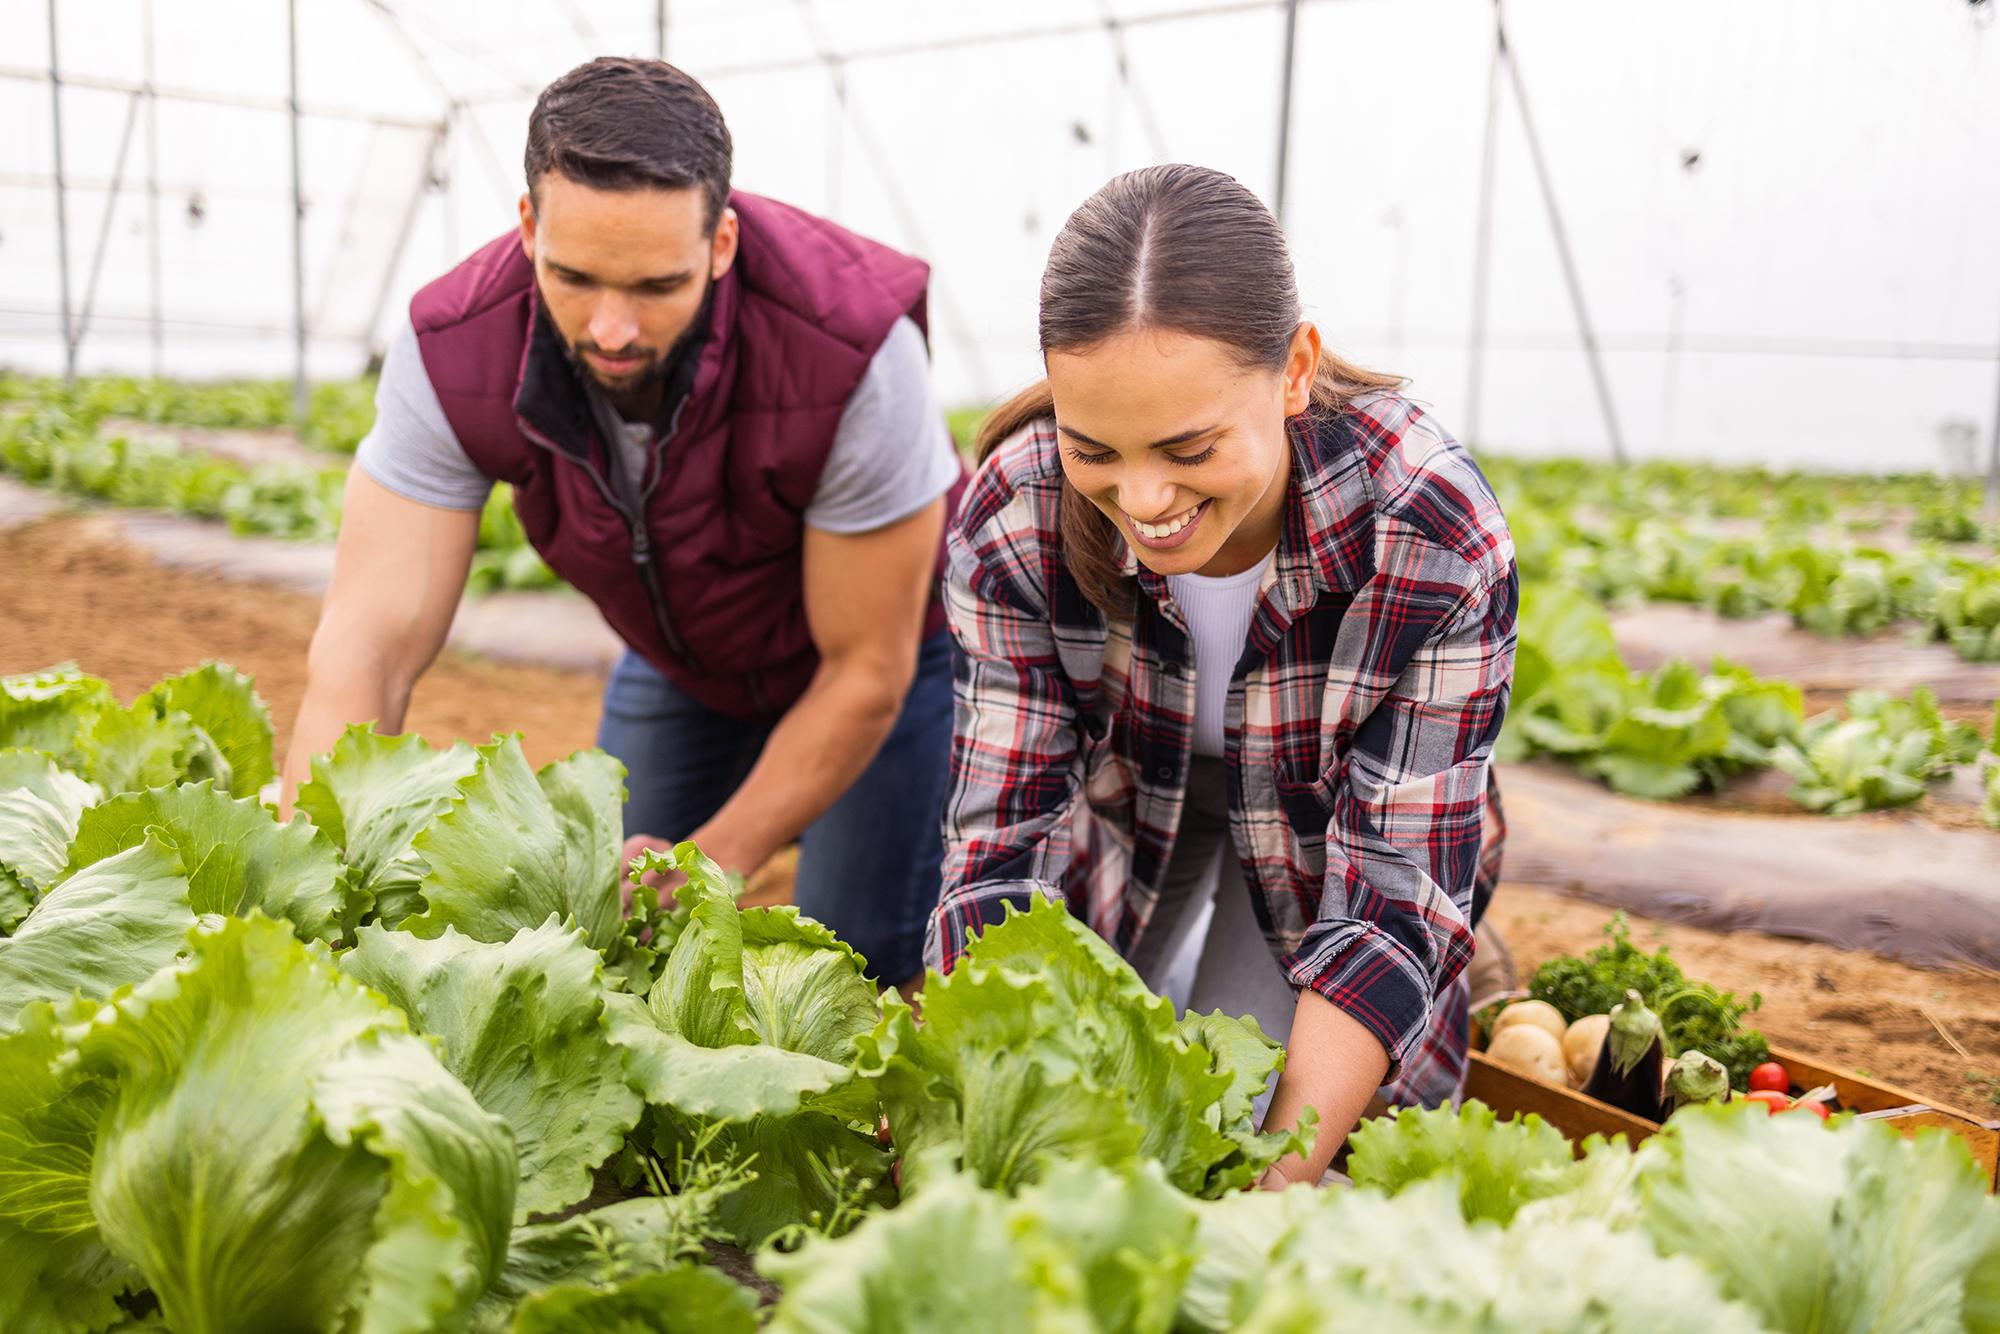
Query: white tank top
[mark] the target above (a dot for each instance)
(1219, 609)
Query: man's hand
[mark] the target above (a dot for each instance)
(635, 847)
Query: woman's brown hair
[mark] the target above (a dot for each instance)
(1170, 247)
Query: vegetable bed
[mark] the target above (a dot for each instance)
(401, 1064)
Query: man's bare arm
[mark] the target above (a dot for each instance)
(865, 597)
(398, 574)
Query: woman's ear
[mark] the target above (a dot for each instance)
(1301, 368)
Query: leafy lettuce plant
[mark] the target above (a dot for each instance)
(474, 839)
(255, 1139)
(204, 724)
(748, 1041)
(1043, 1044)
(1085, 1249)
(521, 1023)
(143, 868)
(1885, 752)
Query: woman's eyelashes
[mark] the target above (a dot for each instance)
(1184, 460)
(1083, 457)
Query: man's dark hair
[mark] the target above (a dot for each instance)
(624, 124)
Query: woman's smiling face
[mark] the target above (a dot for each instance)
(1182, 447)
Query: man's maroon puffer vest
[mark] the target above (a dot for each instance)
(792, 328)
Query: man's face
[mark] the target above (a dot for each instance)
(622, 273)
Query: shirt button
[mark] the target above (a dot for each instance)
(1163, 772)
(1171, 668)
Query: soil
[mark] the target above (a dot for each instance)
(69, 589)
(70, 592)
(1847, 1007)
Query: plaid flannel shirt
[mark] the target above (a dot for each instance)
(1361, 720)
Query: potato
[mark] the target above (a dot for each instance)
(1581, 1045)
(1539, 1013)
(1531, 1050)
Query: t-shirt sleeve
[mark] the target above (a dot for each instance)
(892, 454)
(411, 448)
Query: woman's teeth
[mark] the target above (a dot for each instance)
(1157, 531)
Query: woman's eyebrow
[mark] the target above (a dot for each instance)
(1183, 438)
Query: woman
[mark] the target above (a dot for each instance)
(1234, 616)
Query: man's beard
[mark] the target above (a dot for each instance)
(650, 376)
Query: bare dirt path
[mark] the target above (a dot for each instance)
(69, 590)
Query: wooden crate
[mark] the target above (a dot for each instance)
(1578, 1116)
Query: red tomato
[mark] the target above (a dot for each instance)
(1770, 1100)
(1770, 1075)
(1816, 1108)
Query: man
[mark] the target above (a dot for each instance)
(716, 415)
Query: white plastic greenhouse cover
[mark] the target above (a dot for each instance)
(1782, 215)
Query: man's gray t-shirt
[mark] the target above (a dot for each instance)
(891, 452)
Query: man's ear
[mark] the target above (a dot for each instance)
(528, 227)
(722, 246)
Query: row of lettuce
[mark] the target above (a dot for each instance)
(403, 1063)
(338, 412)
(80, 456)
(1677, 729)
(1838, 555)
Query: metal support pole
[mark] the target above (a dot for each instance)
(62, 202)
(1993, 467)
(1285, 109)
(1121, 58)
(155, 318)
(104, 227)
(299, 396)
(1570, 278)
(431, 178)
(1482, 254)
(660, 29)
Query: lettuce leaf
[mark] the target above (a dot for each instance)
(107, 926)
(1823, 1229)
(1498, 1165)
(372, 795)
(602, 1247)
(235, 853)
(221, 702)
(352, 1185)
(1085, 1250)
(516, 846)
(522, 1026)
(1044, 1044)
(50, 710)
(1368, 1261)
(40, 805)
(684, 1300)
(55, 1272)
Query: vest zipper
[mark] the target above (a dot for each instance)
(642, 546)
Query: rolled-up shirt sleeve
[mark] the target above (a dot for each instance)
(1014, 746)
(1407, 810)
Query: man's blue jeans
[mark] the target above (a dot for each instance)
(869, 866)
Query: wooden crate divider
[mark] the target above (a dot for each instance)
(1578, 1116)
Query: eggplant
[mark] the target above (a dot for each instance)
(1696, 1077)
(1632, 1064)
